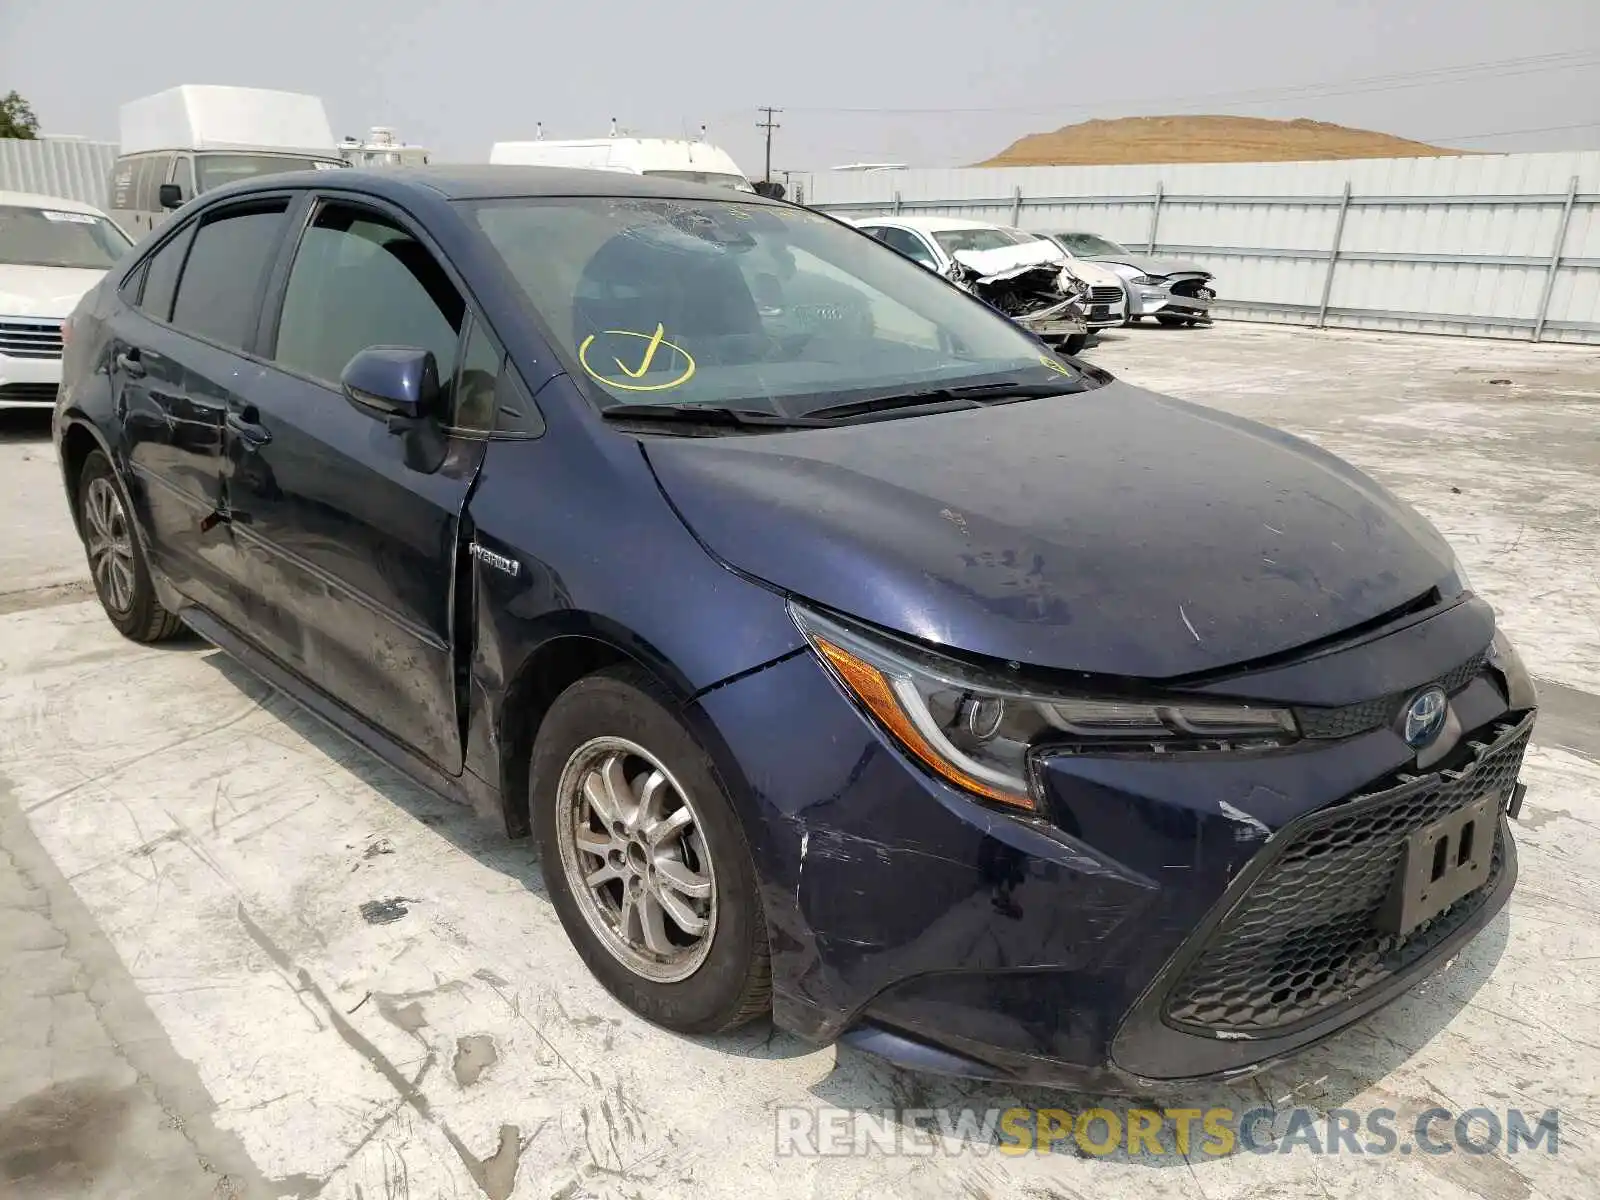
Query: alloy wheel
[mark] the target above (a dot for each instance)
(108, 538)
(635, 859)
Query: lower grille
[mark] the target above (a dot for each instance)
(1305, 937)
(1189, 287)
(30, 339)
(27, 393)
(1105, 295)
(1375, 713)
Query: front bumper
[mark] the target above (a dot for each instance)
(1078, 950)
(1146, 301)
(1055, 323)
(28, 382)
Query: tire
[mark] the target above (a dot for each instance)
(1075, 343)
(607, 736)
(117, 563)
(1171, 321)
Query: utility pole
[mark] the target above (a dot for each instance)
(769, 126)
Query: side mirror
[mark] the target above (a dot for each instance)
(170, 195)
(400, 386)
(399, 383)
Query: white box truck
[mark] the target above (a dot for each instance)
(690, 159)
(192, 138)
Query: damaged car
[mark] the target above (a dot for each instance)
(1173, 291)
(848, 656)
(1019, 273)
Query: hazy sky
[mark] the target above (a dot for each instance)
(938, 82)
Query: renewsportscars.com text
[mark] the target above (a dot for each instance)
(1216, 1132)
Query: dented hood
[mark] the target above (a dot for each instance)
(1116, 532)
(1159, 267)
(1005, 262)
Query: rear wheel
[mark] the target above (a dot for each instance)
(644, 857)
(116, 559)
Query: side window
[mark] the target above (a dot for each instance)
(359, 279)
(481, 363)
(161, 276)
(183, 176)
(122, 184)
(910, 245)
(147, 181)
(220, 287)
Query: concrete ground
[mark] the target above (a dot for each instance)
(239, 957)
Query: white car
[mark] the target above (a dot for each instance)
(1173, 291)
(52, 251)
(937, 242)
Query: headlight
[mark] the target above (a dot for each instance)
(977, 730)
(1150, 280)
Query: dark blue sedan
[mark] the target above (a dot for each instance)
(849, 655)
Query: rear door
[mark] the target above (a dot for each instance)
(180, 350)
(350, 552)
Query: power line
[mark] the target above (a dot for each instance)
(1478, 137)
(769, 126)
(1433, 77)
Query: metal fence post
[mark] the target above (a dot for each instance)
(1333, 256)
(897, 201)
(1016, 206)
(1155, 218)
(1555, 259)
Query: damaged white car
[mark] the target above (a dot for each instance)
(1022, 275)
(1173, 291)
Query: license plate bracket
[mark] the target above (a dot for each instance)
(1441, 863)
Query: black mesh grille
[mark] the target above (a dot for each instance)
(1305, 938)
(1373, 714)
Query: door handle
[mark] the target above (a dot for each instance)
(245, 424)
(128, 363)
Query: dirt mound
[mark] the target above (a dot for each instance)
(1204, 139)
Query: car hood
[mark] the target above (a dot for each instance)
(1116, 531)
(1005, 261)
(1146, 265)
(43, 291)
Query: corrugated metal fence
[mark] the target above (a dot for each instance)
(57, 167)
(1492, 245)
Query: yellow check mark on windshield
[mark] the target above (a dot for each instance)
(649, 355)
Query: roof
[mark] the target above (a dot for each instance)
(484, 182)
(933, 224)
(36, 200)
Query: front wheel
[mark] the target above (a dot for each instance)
(1075, 343)
(116, 559)
(1172, 321)
(645, 859)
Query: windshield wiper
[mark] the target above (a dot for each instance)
(705, 414)
(945, 399)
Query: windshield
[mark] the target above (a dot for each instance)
(714, 178)
(1089, 245)
(748, 305)
(218, 169)
(47, 237)
(954, 240)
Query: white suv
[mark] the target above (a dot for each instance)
(52, 251)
